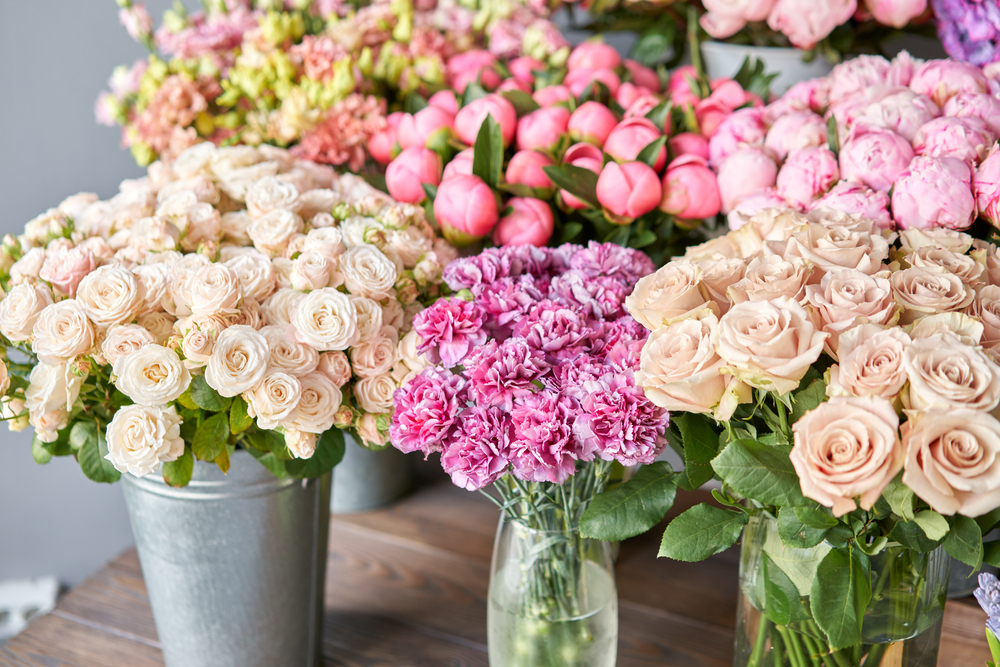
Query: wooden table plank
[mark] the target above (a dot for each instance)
(406, 587)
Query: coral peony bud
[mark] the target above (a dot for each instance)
(628, 191)
(643, 76)
(688, 143)
(524, 68)
(471, 117)
(579, 80)
(628, 139)
(585, 156)
(530, 223)
(446, 100)
(628, 94)
(542, 129)
(431, 126)
(527, 168)
(896, 13)
(382, 146)
(470, 67)
(592, 122)
(460, 164)
(690, 189)
(412, 168)
(549, 95)
(466, 209)
(593, 55)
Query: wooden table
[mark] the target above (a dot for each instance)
(406, 587)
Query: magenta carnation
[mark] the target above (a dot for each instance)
(544, 449)
(618, 423)
(555, 330)
(477, 456)
(427, 407)
(508, 300)
(606, 259)
(449, 330)
(501, 373)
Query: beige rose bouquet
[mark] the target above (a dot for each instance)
(235, 297)
(843, 387)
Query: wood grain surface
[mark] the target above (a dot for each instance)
(406, 587)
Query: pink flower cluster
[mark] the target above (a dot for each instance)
(916, 146)
(535, 370)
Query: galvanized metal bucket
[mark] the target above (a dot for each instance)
(367, 479)
(235, 564)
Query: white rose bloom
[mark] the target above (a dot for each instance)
(74, 205)
(288, 356)
(97, 247)
(409, 244)
(214, 289)
(301, 444)
(62, 331)
(168, 258)
(111, 295)
(48, 224)
(155, 279)
(175, 208)
(282, 272)
(229, 158)
(152, 375)
(238, 362)
(326, 319)
(369, 317)
(273, 399)
(195, 161)
(318, 405)
(154, 234)
(203, 225)
(271, 232)
(355, 230)
(311, 271)
(277, 309)
(368, 430)
(235, 227)
(269, 194)
(368, 272)
(27, 268)
(196, 345)
(204, 188)
(319, 175)
(316, 201)
(326, 241)
(236, 182)
(48, 424)
(410, 362)
(140, 438)
(322, 220)
(20, 309)
(122, 340)
(254, 273)
(296, 245)
(52, 387)
(374, 394)
(377, 355)
(160, 324)
(336, 366)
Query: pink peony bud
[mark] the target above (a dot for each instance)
(640, 106)
(530, 223)
(628, 139)
(807, 22)
(966, 138)
(710, 115)
(592, 122)
(798, 129)
(980, 105)
(550, 95)
(745, 172)
(729, 93)
(444, 99)
(986, 187)
(542, 129)
(941, 80)
(628, 93)
(514, 84)
(593, 55)
(896, 13)
(431, 126)
(849, 197)
(628, 191)
(690, 189)
(382, 146)
(459, 165)
(412, 168)
(527, 168)
(643, 76)
(466, 209)
(934, 192)
(807, 174)
(874, 157)
(524, 68)
(579, 80)
(470, 117)
(472, 66)
(679, 85)
(688, 143)
(903, 111)
(585, 156)
(745, 127)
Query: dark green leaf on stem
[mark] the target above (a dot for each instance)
(414, 103)
(487, 155)
(211, 437)
(38, 451)
(783, 602)
(964, 541)
(579, 182)
(205, 397)
(796, 534)
(807, 399)
(700, 532)
(329, 452)
(95, 466)
(700, 441)
(522, 101)
(760, 472)
(239, 420)
(269, 461)
(631, 508)
(178, 473)
(839, 595)
(652, 150)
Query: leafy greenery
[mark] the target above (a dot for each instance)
(631, 508)
(700, 532)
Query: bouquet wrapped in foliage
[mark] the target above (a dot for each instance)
(596, 150)
(842, 388)
(233, 297)
(906, 143)
(319, 78)
(531, 390)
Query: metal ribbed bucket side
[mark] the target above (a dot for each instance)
(234, 564)
(366, 479)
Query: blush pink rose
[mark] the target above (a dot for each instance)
(470, 117)
(690, 189)
(628, 191)
(64, 269)
(411, 169)
(466, 209)
(934, 192)
(874, 157)
(807, 174)
(529, 223)
(745, 172)
(749, 205)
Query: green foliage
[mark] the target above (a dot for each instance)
(414, 103)
(239, 420)
(657, 43)
(269, 461)
(178, 473)
(649, 154)
(91, 456)
(901, 498)
(205, 397)
(487, 155)
(579, 182)
(329, 452)
(807, 399)
(211, 437)
(964, 541)
(522, 101)
(912, 536)
(754, 78)
(934, 525)
(796, 533)
(700, 532)
(699, 442)
(759, 471)
(783, 603)
(631, 508)
(659, 115)
(839, 595)
(38, 451)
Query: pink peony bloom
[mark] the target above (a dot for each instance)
(406, 176)
(638, 103)
(528, 168)
(470, 118)
(979, 105)
(549, 95)
(874, 157)
(941, 80)
(585, 156)
(444, 100)
(807, 174)
(799, 129)
(460, 165)
(745, 127)
(688, 143)
(643, 76)
(466, 209)
(427, 410)
(544, 449)
(986, 187)
(506, 38)
(724, 18)
(579, 80)
(934, 192)
(470, 67)
(857, 74)
(477, 455)
(499, 373)
(524, 68)
(593, 55)
(342, 136)
(901, 110)
(382, 146)
(806, 22)
(966, 138)
(745, 172)
(896, 13)
(848, 197)
(431, 127)
(618, 422)
(449, 330)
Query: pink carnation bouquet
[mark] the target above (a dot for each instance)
(532, 392)
(843, 388)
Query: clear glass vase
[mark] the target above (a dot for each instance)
(552, 599)
(901, 626)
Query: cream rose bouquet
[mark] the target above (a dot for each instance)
(235, 297)
(843, 388)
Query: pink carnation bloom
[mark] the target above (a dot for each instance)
(554, 330)
(341, 137)
(449, 330)
(619, 423)
(477, 456)
(544, 449)
(607, 259)
(164, 123)
(598, 297)
(507, 300)
(427, 408)
(499, 373)
(316, 55)
(220, 32)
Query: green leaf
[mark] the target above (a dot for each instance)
(833, 134)
(81, 433)
(700, 532)
(994, 644)
(329, 452)
(631, 508)
(783, 602)
(642, 239)
(700, 440)
(760, 472)
(487, 155)
(570, 231)
(799, 565)
(178, 473)
(933, 524)
(794, 533)
(38, 451)
(652, 150)
(912, 536)
(186, 400)
(431, 191)
(205, 397)
(900, 498)
(815, 517)
(239, 420)
(472, 92)
(522, 101)
(839, 595)
(211, 437)
(93, 463)
(807, 399)
(579, 182)
(991, 553)
(964, 541)
(414, 103)
(269, 461)
(988, 521)
(659, 114)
